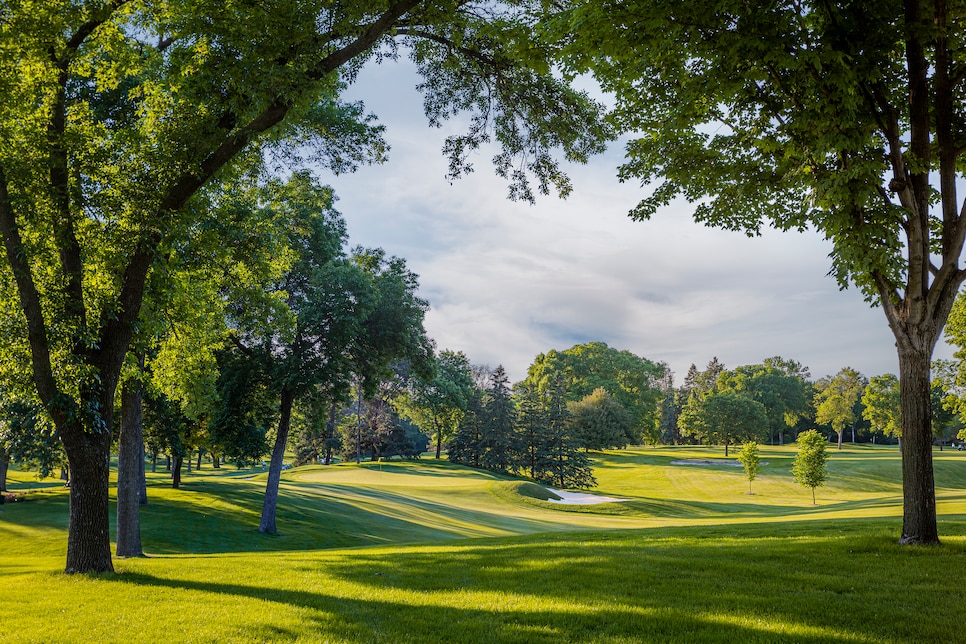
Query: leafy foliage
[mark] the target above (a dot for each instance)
(809, 468)
(725, 418)
(631, 380)
(750, 459)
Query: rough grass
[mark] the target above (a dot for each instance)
(431, 552)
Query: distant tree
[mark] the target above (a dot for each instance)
(567, 466)
(466, 446)
(631, 380)
(27, 437)
(725, 418)
(751, 460)
(881, 402)
(600, 422)
(836, 398)
(499, 422)
(777, 384)
(809, 467)
(697, 385)
(437, 405)
(528, 448)
(669, 409)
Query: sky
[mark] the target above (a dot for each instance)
(507, 281)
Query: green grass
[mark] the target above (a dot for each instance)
(432, 552)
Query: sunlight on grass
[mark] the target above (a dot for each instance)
(432, 552)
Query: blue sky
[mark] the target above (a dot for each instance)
(507, 280)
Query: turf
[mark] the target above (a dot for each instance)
(432, 552)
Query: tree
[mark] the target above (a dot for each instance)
(669, 409)
(809, 467)
(437, 406)
(881, 402)
(840, 117)
(750, 460)
(836, 398)
(566, 466)
(631, 380)
(600, 422)
(499, 423)
(724, 418)
(777, 384)
(115, 115)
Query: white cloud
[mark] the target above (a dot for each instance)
(508, 281)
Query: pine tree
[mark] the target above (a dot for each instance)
(499, 420)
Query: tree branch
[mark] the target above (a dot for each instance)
(29, 301)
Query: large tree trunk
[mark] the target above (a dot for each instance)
(142, 479)
(918, 485)
(176, 472)
(4, 464)
(88, 532)
(130, 464)
(275, 468)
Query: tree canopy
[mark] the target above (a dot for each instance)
(631, 380)
(724, 418)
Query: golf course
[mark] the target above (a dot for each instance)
(428, 551)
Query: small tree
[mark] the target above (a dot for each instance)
(809, 468)
(748, 456)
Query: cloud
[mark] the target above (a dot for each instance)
(507, 281)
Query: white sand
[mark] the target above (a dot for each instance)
(581, 498)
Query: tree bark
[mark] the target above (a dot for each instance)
(129, 467)
(918, 484)
(4, 465)
(88, 532)
(270, 504)
(142, 479)
(176, 472)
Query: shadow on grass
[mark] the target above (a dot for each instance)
(314, 516)
(748, 583)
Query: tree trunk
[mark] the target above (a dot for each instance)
(275, 469)
(840, 432)
(176, 472)
(918, 484)
(4, 464)
(129, 450)
(154, 462)
(726, 449)
(201, 453)
(216, 461)
(89, 527)
(142, 479)
(439, 439)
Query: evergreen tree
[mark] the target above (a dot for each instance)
(528, 445)
(499, 420)
(564, 463)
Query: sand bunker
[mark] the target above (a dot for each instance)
(693, 461)
(581, 498)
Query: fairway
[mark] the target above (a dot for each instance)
(427, 551)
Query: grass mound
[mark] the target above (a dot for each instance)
(534, 491)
